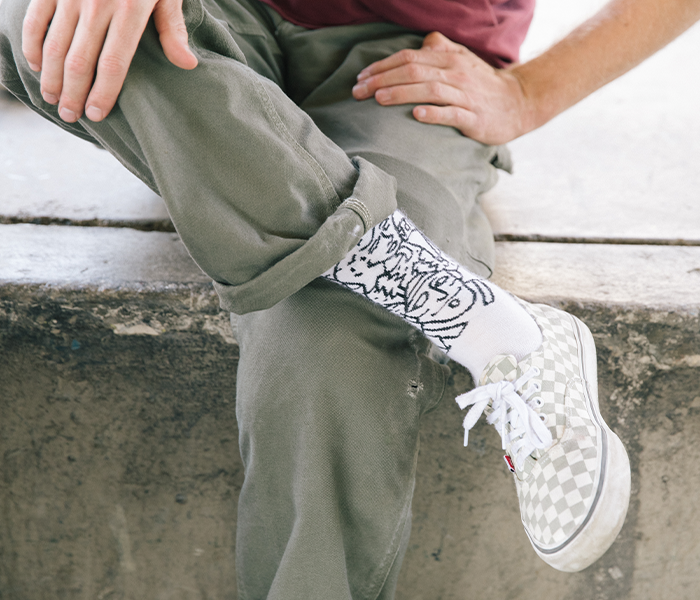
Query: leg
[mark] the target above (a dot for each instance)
(571, 471)
(205, 140)
(330, 392)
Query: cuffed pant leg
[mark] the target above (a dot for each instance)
(254, 189)
(330, 392)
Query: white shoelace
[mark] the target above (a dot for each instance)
(527, 432)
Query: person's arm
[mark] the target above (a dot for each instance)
(83, 48)
(454, 87)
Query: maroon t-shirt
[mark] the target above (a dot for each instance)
(493, 29)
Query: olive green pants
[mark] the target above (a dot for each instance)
(271, 172)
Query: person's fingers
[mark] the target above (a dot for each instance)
(125, 31)
(34, 28)
(425, 92)
(432, 43)
(55, 48)
(81, 62)
(401, 58)
(170, 24)
(84, 48)
(453, 116)
(430, 66)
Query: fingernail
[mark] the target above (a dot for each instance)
(360, 89)
(67, 115)
(364, 74)
(93, 113)
(34, 67)
(420, 113)
(50, 98)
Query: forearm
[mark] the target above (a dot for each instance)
(616, 39)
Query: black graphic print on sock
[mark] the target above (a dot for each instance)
(396, 266)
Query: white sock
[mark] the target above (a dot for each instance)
(470, 319)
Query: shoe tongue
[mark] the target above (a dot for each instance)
(499, 368)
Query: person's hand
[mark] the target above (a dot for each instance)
(452, 86)
(83, 48)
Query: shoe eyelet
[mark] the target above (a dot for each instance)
(539, 403)
(536, 370)
(538, 386)
(543, 418)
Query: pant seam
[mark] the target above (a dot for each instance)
(398, 534)
(321, 176)
(438, 371)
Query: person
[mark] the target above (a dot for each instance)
(323, 162)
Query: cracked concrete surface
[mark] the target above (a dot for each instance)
(120, 466)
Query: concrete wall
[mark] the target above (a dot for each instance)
(120, 470)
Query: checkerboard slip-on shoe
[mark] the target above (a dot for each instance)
(571, 471)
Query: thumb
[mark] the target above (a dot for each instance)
(170, 23)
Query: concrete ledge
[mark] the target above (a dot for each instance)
(120, 467)
(637, 277)
(50, 176)
(77, 256)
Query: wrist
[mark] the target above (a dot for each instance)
(525, 106)
(535, 105)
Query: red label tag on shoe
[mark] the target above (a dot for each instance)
(509, 462)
